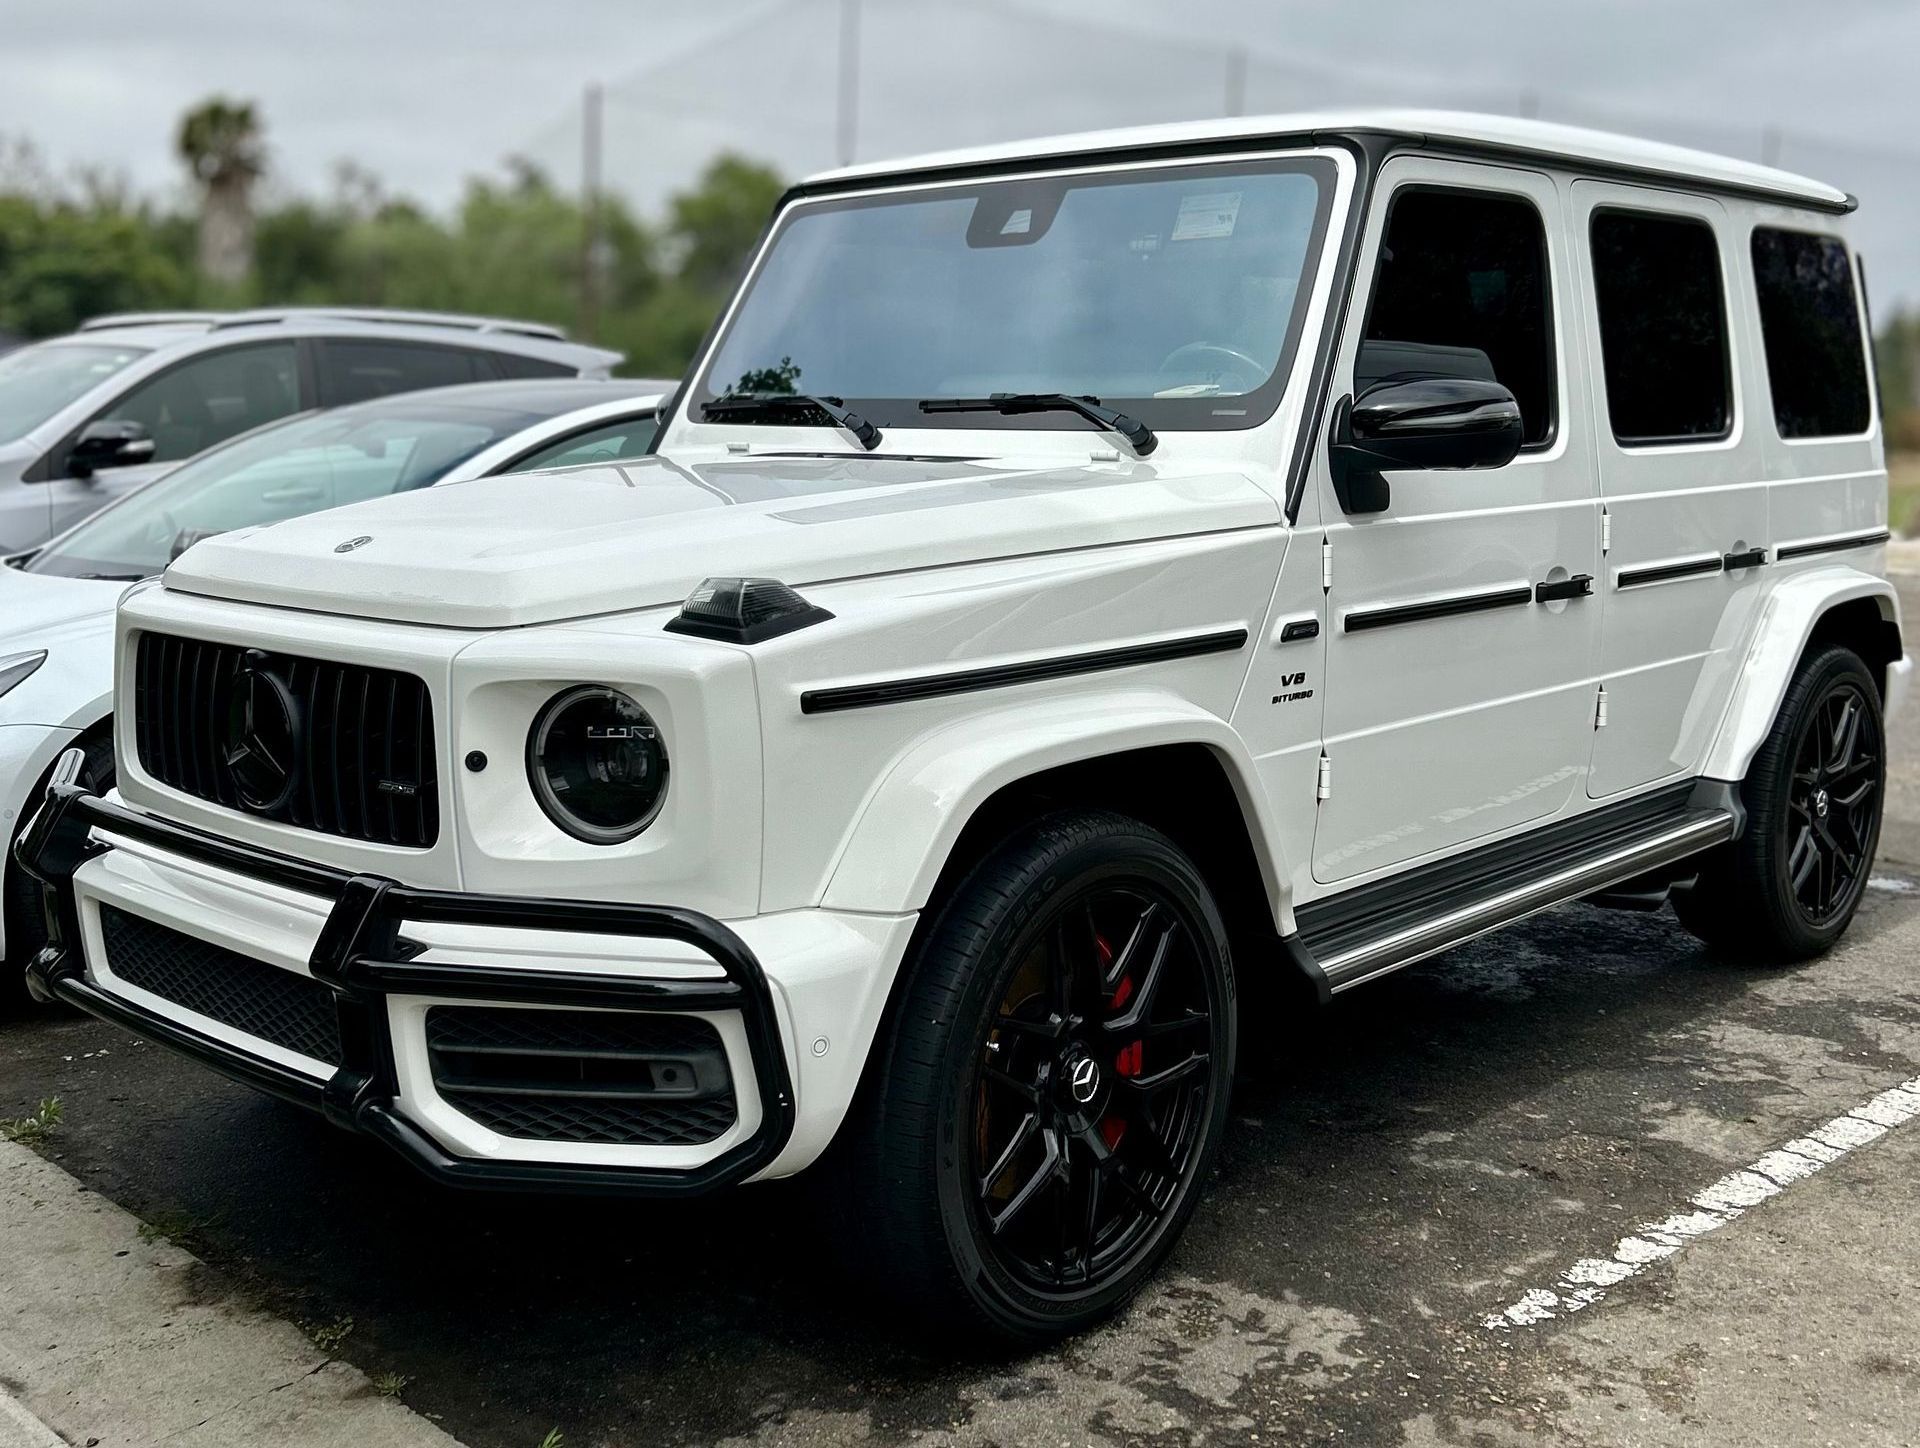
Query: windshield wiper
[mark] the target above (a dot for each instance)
(113, 577)
(1136, 432)
(762, 404)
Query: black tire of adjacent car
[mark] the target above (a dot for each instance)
(26, 920)
(910, 1153)
(1746, 904)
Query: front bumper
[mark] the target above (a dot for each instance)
(377, 975)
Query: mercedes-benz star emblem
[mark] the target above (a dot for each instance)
(1820, 803)
(1085, 1080)
(353, 543)
(262, 751)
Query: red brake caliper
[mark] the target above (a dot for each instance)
(1127, 1063)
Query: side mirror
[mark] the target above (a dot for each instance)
(113, 443)
(1426, 422)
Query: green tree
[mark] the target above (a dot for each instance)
(60, 264)
(714, 227)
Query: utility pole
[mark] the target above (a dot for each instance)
(1237, 80)
(590, 257)
(849, 114)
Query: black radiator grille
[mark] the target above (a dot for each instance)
(364, 765)
(611, 1077)
(262, 1000)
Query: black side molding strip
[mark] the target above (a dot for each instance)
(1662, 572)
(1437, 608)
(1000, 676)
(1834, 545)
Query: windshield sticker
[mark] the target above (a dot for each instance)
(1205, 216)
(1019, 223)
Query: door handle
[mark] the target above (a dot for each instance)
(1578, 586)
(1752, 558)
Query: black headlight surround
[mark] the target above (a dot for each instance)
(560, 724)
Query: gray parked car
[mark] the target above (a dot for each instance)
(87, 418)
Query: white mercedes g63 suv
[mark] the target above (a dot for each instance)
(1078, 583)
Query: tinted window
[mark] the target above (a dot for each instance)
(1663, 327)
(209, 399)
(512, 365)
(1810, 323)
(36, 382)
(357, 371)
(609, 443)
(1463, 290)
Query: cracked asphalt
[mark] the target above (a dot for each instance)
(1401, 1165)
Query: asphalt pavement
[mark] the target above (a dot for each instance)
(1482, 1138)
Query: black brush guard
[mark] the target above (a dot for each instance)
(362, 959)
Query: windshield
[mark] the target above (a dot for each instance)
(297, 467)
(36, 382)
(1174, 294)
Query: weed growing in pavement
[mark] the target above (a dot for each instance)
(390, 1385)
(35, 1129)
(172, 1225)
(554, 1439)
(330, 1336)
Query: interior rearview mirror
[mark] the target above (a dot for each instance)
(1425, 422)
(112, 443)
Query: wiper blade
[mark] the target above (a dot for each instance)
(761, 404)
(113, 577)
(1136, 432)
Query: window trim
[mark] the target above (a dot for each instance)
(1863, 319)
(52, 466)
(1555, 402)
(1691, 439)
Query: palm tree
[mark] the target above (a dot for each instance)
(220, 142)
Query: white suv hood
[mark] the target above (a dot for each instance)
(541, 547)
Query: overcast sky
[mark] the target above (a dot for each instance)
(427, 92)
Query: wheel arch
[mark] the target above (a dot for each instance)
(1805, 613)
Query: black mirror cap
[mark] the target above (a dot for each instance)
(1419, 423)
(110, 443)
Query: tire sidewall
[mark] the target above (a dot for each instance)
(1129, 853)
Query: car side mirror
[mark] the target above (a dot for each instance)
(113, 443)
(1424, 423)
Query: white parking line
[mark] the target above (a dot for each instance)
(1587, 1281)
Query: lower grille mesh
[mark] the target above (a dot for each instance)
(608, 1077)
(288, 1010)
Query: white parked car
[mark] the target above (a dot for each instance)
(56, 605)
(1079, 582)
(88, 418)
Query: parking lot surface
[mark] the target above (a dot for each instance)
(1459, 1143)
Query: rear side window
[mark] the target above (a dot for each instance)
(356, 371)
(514, 366)
(1810, 323)
(1463, 291)
(1663, 327)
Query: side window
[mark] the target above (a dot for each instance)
(1663, 327)
(356, 371)
(1463, 291)
(513, 366)
(209, 399)
(1810, 325)
(609, 443)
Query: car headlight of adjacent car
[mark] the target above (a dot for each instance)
(15, 668)
(597, 764)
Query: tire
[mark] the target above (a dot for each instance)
(983, 1081)
(26, 920)
(1788, 887)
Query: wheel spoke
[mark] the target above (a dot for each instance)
(1022, 1137)
(1025, 1090)
(1160, 1080)
(1051, 1029)
(1142, 1003)
(1803, 859)
(1138, 942)
(1048, 1169)
(1190, 1020)
(1846, 735)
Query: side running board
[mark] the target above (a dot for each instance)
(1364, 933)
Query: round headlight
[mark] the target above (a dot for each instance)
(597, 764)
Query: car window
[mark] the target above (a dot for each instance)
(208, 399)
(611, 442)
(1663, 327)
(1463, 290)
(514, 366)
(358, 371)
(1810, 325)
(36, 382)
(323, 461)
